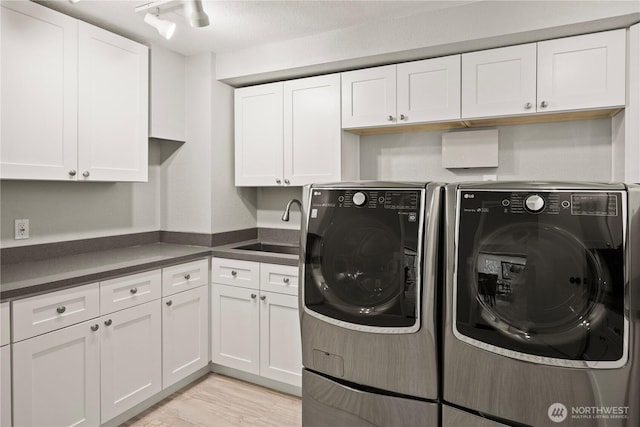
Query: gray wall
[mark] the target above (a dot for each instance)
(575, 151)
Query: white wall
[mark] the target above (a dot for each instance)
(60, 211)
(480, 25)
(271, 204)
(233, 208)
(574, 151)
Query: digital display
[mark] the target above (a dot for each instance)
(594, 204)
(400, 200)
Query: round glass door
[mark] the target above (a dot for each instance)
(534, 280)
(359, 266)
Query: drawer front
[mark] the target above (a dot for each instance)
(128, 291)
(236, 272)
(5, 324)
(44, 313)
(282, 279)
(185, 276)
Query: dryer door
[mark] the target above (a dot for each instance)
(362, 262)
(542, 279)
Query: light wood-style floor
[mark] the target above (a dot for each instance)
(219, 401)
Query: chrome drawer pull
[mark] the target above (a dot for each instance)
(61, 309)
(95, 327)
(187, 276)
(133, 290)
(108, 322)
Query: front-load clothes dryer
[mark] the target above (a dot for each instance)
(541, 327)
(368, 304)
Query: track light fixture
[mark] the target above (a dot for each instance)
(164, 27)
(195, 14)
(193, 11)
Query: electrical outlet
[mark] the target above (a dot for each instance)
(21, 229)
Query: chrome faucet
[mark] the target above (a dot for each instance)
(285, 216)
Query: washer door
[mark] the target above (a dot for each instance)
(535, 281)
(362, 266)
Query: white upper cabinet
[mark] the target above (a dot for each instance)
(39, 84)
(499, 82)
(113, 105)
(258, 135)
(312, 130)
(573, 73)
(582, 72)
(407, 93)
(369, 97)
(74, 99)
(429, 90)
(167, 94)
(288, 133)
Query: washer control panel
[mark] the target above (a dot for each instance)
(579, 203)
(394, 199)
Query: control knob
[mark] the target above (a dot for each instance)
(534, 203)
(359, 198)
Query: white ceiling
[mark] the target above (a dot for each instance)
(239, 24)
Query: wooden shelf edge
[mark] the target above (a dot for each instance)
(491, 121)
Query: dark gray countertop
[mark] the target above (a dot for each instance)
(30, 278)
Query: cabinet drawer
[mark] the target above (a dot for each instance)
(185, 276)
(282, 279)
(128, 291)
(44, 313)
(5, 323)
(235, 272)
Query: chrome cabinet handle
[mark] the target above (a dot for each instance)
(286, 181)
(278, 181)
(544, 104)
(285, 280)
(187, 276)
(108, 322)
(169, 303)
(528, 106)
(72, 172)
(390, 118)
(133, 290)
(61, 309)
(95, 327)
(263, 297)
(85, 174)
(403, 117)
(253, 296)
(234, 273)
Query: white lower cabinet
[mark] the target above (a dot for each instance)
(5, 385)
(185, 334)
(280, 344)
(56, 378)
(254, 330)
(130, 362)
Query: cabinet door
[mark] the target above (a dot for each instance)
(235, 331)
(280, 344)
(258, 135)
(429, 90)
(113, 106)
(5, 385)
(130, 358)
(185, 334)
(369, 97)
(582, 72)
(167, 94)
(56, 378)
(5, 324)
(312, 131)
(499, 82)
(39, 103)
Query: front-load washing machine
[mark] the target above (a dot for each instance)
(368, 304)
(542, 303)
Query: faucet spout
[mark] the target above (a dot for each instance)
(285, 216)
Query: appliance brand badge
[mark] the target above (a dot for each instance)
(469, 196)
(317, 193)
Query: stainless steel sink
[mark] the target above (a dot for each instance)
(270, 247)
